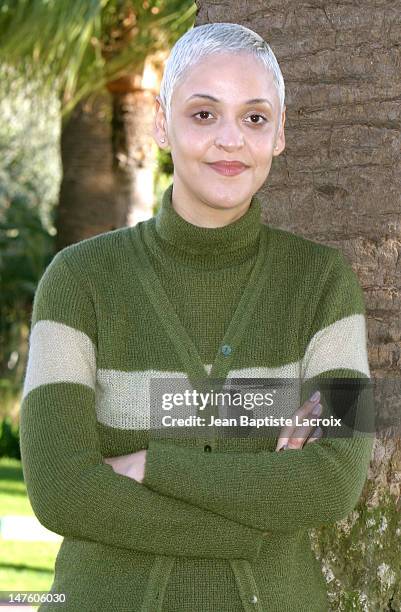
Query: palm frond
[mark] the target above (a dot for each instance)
(78, 46)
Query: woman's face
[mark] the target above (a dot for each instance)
(228, 128)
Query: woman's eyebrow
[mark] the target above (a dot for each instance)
(252, 101)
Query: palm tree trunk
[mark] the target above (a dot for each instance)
(337, 183)
(87, 199)
(108, 160)
(133, 150)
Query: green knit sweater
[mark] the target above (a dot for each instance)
(219, 531)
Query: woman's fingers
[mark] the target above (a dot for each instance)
(294, 435)
(317, 434)
(302, 432)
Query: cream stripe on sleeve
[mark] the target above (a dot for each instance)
(59, 353)
(342, 344)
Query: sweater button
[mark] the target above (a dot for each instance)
(226, 349)
(253, 599)
(207, 448)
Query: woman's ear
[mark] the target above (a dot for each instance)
(160, 124)
(280, 140)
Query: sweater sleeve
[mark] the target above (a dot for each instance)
(297, 488)
(71, 490)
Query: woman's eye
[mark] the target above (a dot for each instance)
(202, 118)
(259, 122)
(202, 113)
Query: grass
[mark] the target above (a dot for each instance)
(13, 496)
(26, 566)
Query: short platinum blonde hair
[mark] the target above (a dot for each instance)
(211, 38)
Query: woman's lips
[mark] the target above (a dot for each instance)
(228, 169)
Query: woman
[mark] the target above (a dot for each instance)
(204, 289)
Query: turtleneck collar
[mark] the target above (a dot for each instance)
(204, 247)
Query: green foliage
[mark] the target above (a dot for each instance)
(165, 162)
(9, 439)
(29, 179)
(30, 164)
(79, 46)
(26, 248)
(163, 176)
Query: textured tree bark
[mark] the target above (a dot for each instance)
(133, 158)
(108, 163)
(338, 183)
(87, 198)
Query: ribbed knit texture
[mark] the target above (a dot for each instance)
(219, 531)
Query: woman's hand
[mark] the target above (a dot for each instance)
(294, 436)
(132, 465)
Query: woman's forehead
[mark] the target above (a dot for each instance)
(219, 74)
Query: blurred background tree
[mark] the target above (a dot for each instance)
(29, 181)
(77, 156)
(105, 59)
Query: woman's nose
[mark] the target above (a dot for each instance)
(229, 135)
